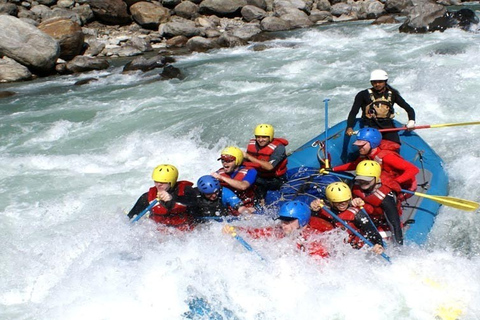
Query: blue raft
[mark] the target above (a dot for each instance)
(305, 184)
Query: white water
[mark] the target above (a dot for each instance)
(74, 158)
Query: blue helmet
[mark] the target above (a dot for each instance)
(372, 135)
(296, 210)
(208, 184)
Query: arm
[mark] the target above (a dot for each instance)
(397, 163)
(139, 206)
(404, 105)
(357, 105)
(243, 185)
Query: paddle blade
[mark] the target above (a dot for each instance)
(456, 203)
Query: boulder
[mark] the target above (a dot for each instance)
(27, 45)
(179, 27)
(82, 64)
(170, 72)
(423, 13)
(11, 71)
(297, 19)
(187, 10)
(228, 41)
(8, 8)
(222, 8)
(201, 44)
(274, 24)
(398, 6)
(250, 13)
(144, 64)
(262, 4)
(149, 15)
(177, 42)
(68, 34)
(110, 11)
(245, 32)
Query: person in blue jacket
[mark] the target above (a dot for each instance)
(213, 200)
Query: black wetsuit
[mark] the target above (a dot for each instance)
(362, 99)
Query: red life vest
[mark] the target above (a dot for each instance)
(177, 216)
(247, 196)
(348, 216)
(373, 199)
(265, 153)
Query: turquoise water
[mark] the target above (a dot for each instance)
(75, 158)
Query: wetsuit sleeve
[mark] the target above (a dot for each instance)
(230, 199)
(405, 106)
(357, 105)
(363, 223)
(139, 206)
(278, 155)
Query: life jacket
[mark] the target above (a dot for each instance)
(380, 108)
(264, 154)
(348, 216)
(177, 216)
(374, 199)
(247, 196)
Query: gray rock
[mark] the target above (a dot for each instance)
(317, 16)
(222, 8)
(262, 4)
(179, 27)
(8, 8)
(170, 72)
(228, 41)
(274, 24)
(144, 64)
(250, 13)
(398, 6)
(95, 47)
(421, 15)
(186, 9)
(341, 8)
(140, 43)
(27, 45)
(110, 11)
(11, 71)
(82, 64)
(201, 44)
(246, 31)
(85, 13)
(68, 34)
(324, 5)
(297, 19)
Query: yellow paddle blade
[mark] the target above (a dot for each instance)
(456, 203)
(454, 124)
(449, 311)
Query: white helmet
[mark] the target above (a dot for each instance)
(378, 75)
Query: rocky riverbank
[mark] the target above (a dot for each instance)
(45, 37)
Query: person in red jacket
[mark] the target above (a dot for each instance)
(268, 155)
(176, 199)
(339, 200)
(393, 165)
(296, 223)
(378, 196)
(237, 177)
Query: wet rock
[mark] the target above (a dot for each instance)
(177, 42)
(201, 44)
(222, 8)
(144, 64)
(6, 94)
(423, 13)
(170, 72)
(186, 9)
(250, 13)
(85, 81)
(385, 19)
(274, 24)
(179, 27)
(82, 64)
(228, 41)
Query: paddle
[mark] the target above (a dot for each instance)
(244, 243)
(432, 126)
(457, 203)
(330, 212)
(327, 163)
(141, 214)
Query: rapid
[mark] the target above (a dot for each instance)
(74, 159)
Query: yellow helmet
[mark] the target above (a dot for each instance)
(165, 173)
(233, 152)
(368, 168)
(338, 192)
(265, 130)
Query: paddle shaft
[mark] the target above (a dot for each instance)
(141, 214)
(428, 126)
(355, 232)
(327, 162)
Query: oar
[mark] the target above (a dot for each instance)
(244, 243)
(428, 126)
(457, 203)
(353, 230)
(141, 214)
(327, 162)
